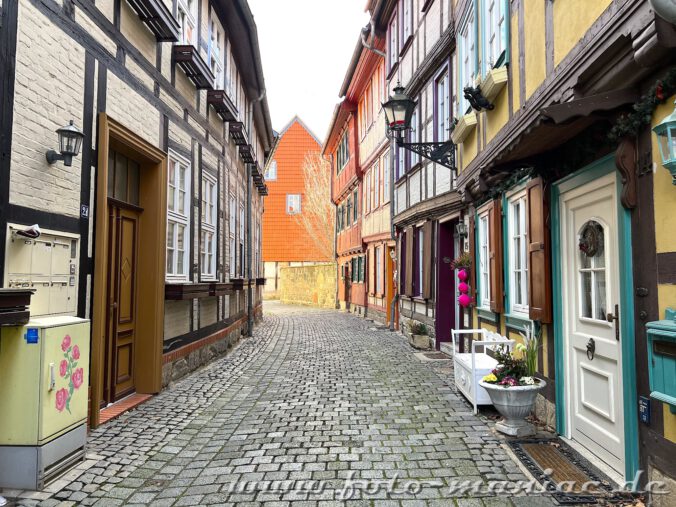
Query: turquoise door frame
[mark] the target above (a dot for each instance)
(589, 173)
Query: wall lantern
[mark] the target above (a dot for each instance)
(70, 142)
(398, 113)
(461, 229)
(666, 137)
(666, 9)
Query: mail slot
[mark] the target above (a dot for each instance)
(662, 359)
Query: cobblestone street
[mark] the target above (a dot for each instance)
(315, 396)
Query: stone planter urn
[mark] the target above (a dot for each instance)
(514, 403)
(420, 341)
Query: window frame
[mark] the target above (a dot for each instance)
(386, 177)
(232, 229)
(343, 152)
(442, 106)
(299, 204)
(379, 269)
(393, 43)
(208, 223)
(483, 261)
(355, 206)
(271, 171)
(181, 220)
(419, 256)
(191, 17)
(467, 57)
(518, 198)
(496, 27)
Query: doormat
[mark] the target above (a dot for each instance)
(436, 356)
(570, 478)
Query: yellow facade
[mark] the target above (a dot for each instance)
(498, 117)
(515, 52)
(572, 19)
(534, 45)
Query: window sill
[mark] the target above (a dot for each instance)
(495, 80)
(517, 321)
(487, 315)
(406, 45)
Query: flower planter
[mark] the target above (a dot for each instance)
(514, 403)
(420, 341)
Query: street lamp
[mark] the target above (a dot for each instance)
(666, 137)
(666, 9)
(398, 113)
(461, 229)
(70, 141)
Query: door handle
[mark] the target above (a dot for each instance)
(591, 348)
(610, 317)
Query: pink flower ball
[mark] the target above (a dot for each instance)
(61, 399)
(77, 377)
(462, 275)
(65, 343)
(63, 367)
(464, 300)
(463, 287)
(76, 352)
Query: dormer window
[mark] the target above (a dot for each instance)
(187, 16)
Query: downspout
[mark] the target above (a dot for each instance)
(368, 29)
(249, 254)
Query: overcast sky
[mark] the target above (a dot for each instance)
(306, 46)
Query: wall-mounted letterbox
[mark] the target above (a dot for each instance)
(48, 264)
(662, 359)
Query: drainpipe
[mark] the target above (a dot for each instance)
(249, 255)
(395, 296)
(369, 29)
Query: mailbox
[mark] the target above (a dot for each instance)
(662, 359)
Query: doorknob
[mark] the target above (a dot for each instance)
(610, 317)
(591, 348)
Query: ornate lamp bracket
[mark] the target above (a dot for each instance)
(440, 153)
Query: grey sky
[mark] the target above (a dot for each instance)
(306, 46)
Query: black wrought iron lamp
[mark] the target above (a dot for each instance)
(70, 142)
(398, 113)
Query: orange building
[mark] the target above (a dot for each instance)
(285, 240)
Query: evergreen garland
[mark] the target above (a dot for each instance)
(632, 123)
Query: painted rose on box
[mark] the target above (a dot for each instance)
(68, 369)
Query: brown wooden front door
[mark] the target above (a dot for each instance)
(123, 230)
(123, 238)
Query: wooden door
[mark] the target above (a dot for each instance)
(122, 315)
(591, 281)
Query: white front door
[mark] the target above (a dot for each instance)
(591, 289)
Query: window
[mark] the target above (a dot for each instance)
(367, 193)
(349, 211)
(187, 14)
(343, 153)
(484, 263)
(467, 62)
(592, 271)
(178, 218)
(420, 255)
(442, 107)
(393, 48)
(292, 204)
(376, 185)
(362, 268)
(208, 226)
(231, 84)
(407, 29)
(495, 32)
(386, 177)
(215, 55)
(355, 209)
(232, 227)
(123, 178)
(355, 269)
(271, 171)
(414, 136)
(242, 264)
(379, 269)
(518, 256)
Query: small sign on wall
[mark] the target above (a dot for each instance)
(644, 409)
(84, 211)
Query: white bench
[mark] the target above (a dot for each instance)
(470, 367)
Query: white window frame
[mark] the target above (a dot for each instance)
(467, 63)
(271, 171)
(216, 56)
(420, 261)
(187, 17)
(484, 262)
(386, 177)
(242, 263)
(494, 25)
(379, 270)
(393, 48)
(376, 184)
(442, 97)
(414, 136)
(408, 20)
(518, 204)
(208, 226)
(176, 219)
(294, 197)
(232, 228)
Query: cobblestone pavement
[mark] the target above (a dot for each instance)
(314, 409)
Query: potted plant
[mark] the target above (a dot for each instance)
(512, 386)
(419, 335)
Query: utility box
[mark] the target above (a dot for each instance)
(49, 265)
(44, 379)
(662, 359)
